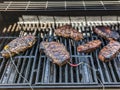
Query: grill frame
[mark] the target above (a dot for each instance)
(86, 26)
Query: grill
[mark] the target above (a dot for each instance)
(60, 5)
(36, 67)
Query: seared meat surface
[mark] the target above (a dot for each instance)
(89, 47)
(68, 32)
(110, 51)
(106, 33)
(56, 52)
(18, 45)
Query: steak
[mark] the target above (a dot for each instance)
(18, 45)
(89, 47)
(68, 32)
(56, 52)
(109, 51)
(106, 33)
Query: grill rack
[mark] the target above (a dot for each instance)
(39, 64)
(37, 22)
(59, 5)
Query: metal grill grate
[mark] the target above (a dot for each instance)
(40, 72)
(59, 5)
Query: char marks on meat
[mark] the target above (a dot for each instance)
(18, 45)
(109, 51)
(56, 52)
(68, 32)
(106, 33)
(89, 47)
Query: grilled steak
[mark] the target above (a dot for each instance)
(89, 47)
(56, 52)
(110, 51)
(18, 45)
(106, 33)
(68, 32)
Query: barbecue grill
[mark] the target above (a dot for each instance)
(43, 17)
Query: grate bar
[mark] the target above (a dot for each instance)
(66, 68)
(43, 71)
(15, 75)
(8, 5)
(71, 68)
(21, 71)
(46, 5)
(27, 5)
(84, 5)
(114, 79)
(39, 70)
(117, 69)
(7, 73)
(46, 73)
(35, 58)
(28, 68)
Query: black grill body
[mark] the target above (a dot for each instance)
(36, 67)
